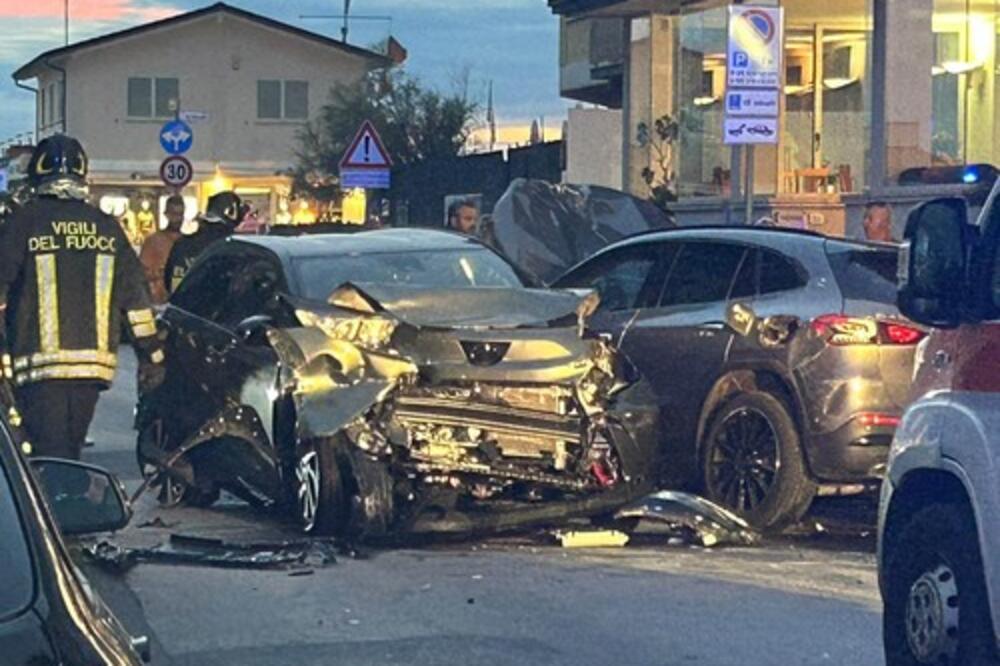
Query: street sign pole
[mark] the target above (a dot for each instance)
(754, 56)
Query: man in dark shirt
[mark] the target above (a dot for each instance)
(222, 215)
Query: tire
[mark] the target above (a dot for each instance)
(936, 609)
(320, 502)
(752, 462)
(370, 487)
(171, 492)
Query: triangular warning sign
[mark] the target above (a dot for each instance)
(366, 151)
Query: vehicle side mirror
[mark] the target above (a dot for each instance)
(253, 330)
(933, 262)
(741, 319)
(84, 499)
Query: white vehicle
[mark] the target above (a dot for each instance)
(939, 542)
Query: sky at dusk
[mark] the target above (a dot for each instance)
(513, 42)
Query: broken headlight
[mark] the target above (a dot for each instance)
(366, 332)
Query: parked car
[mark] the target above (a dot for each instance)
(49, 613)
(758, 427)
(391, 381)
(939, 546)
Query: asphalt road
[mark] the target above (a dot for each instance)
(515, 600)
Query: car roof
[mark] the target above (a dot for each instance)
(759, 235)
(362, 242)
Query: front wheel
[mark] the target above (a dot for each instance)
(936, 609)
(752, 462)
(170, 492)
(321, 505)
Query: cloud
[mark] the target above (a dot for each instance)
(85, 10)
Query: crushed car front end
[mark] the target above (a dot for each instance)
(479, 426)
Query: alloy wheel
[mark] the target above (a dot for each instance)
(743, 462)
(932, 610)
(308, 475)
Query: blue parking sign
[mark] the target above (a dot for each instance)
(176, 137)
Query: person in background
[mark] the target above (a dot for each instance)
(156, 249)
(463, 216)
(68, 281)
(878, 222)
(222, 215)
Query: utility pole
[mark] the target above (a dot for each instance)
(66, 21)
(347, 14)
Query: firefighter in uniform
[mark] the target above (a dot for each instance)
(68, 278)
(222, 215)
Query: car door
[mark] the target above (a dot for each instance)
(627, 279)
(681, 342)
(239, 368)
(195, 341)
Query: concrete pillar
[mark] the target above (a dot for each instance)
(908, 100)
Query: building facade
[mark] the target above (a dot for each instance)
(246, 85)
(872, 90)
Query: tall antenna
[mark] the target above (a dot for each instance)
(347, 14)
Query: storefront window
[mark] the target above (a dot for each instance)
(827, 102)
(703, 167)
(827, 96)
(942, 83)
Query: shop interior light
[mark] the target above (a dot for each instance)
(957, 67)
(838, 82)
(797, 90)
(706, 100)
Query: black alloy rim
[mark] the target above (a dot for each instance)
(743, 464)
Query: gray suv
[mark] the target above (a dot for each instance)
(761, 427)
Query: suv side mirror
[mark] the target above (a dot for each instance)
(84, 499)
(933, 263)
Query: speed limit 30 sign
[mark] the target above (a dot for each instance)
(176, 171)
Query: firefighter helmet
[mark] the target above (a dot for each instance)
(59, 167)
(227, 207)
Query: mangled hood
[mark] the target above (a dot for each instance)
(468, 308)
(355, 350)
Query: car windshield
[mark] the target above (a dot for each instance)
(15, 564)
(318, 276)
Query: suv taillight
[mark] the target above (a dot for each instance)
(840, 330)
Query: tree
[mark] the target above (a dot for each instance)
(416, 123)
(660, 179)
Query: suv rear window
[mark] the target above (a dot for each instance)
(864, 273)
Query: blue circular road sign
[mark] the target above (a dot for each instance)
(176, 137)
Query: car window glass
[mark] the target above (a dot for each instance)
(623, 278)
(468, 267)
(864, 273)
(702, 273)
(205, 290)
(252, 292)
(745, 284)
(778, 273)
(15, 563)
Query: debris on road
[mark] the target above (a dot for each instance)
(186, 549)
(689, 517)
(592, 539)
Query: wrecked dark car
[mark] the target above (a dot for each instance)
(391, 381)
